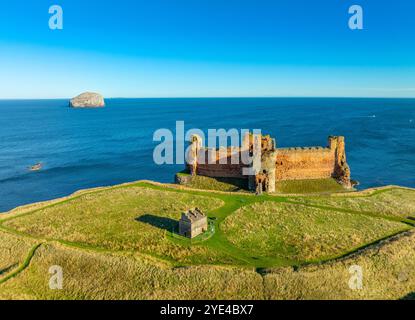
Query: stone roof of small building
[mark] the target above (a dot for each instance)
(193, 215)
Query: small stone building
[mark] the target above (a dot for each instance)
(193, 223)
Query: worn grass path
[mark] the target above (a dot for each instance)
(21, 267)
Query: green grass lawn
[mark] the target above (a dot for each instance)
(217, 184)
(318, 186)
(309, 186)
(301, 233)
(133, 218)
(120, 242)
(394, 202)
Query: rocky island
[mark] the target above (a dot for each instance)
(88, 100)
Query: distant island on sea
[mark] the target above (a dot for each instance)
(88, 100)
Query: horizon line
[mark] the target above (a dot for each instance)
(225, 97)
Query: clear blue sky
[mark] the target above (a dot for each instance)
(180, 48)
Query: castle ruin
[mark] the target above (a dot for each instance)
(272, 164)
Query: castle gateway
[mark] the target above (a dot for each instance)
(274, 164)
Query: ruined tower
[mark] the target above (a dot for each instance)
(341, 170)
(263, 152)
(193, 155)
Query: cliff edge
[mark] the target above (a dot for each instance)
(88, 100)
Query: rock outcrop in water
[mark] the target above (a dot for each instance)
(88, 100)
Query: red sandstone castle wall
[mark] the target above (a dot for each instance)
(291, 163)
(304, 163)
(220, 171)
(217, 169)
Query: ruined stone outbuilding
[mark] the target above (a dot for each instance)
(193, 223)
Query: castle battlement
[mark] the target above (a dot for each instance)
(304, 149)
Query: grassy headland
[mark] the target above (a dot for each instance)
(120, 243)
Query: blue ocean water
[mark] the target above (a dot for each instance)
(98, 147)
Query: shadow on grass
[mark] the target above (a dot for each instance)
(212, 183)
(238, 184)
(160, 222)
(410, 296)
(9, 268)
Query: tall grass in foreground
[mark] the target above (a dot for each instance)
(388, 273)
(13, 251)
(114, 244)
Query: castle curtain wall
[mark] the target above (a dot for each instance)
(304, 163)
(290, 163)
(223, 167)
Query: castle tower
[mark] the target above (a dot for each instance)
(341, 169)
(263, 151)
(193, 155)
(269, 169)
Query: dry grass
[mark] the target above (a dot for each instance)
(302, 233)
(141, 262)
(388, 273)
(132, 218)
(13, 251)
(309, 186)
(90, 275)
(395, 202)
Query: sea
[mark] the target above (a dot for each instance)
(85, 148)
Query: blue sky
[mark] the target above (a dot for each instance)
(203, 48)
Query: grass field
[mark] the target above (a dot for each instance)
(217, 184)
(119, 243)
(395, 202)
(93, 275)
(388, 273)
(13, 251)
(126, 219)
(309, 186)
(301, 233)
